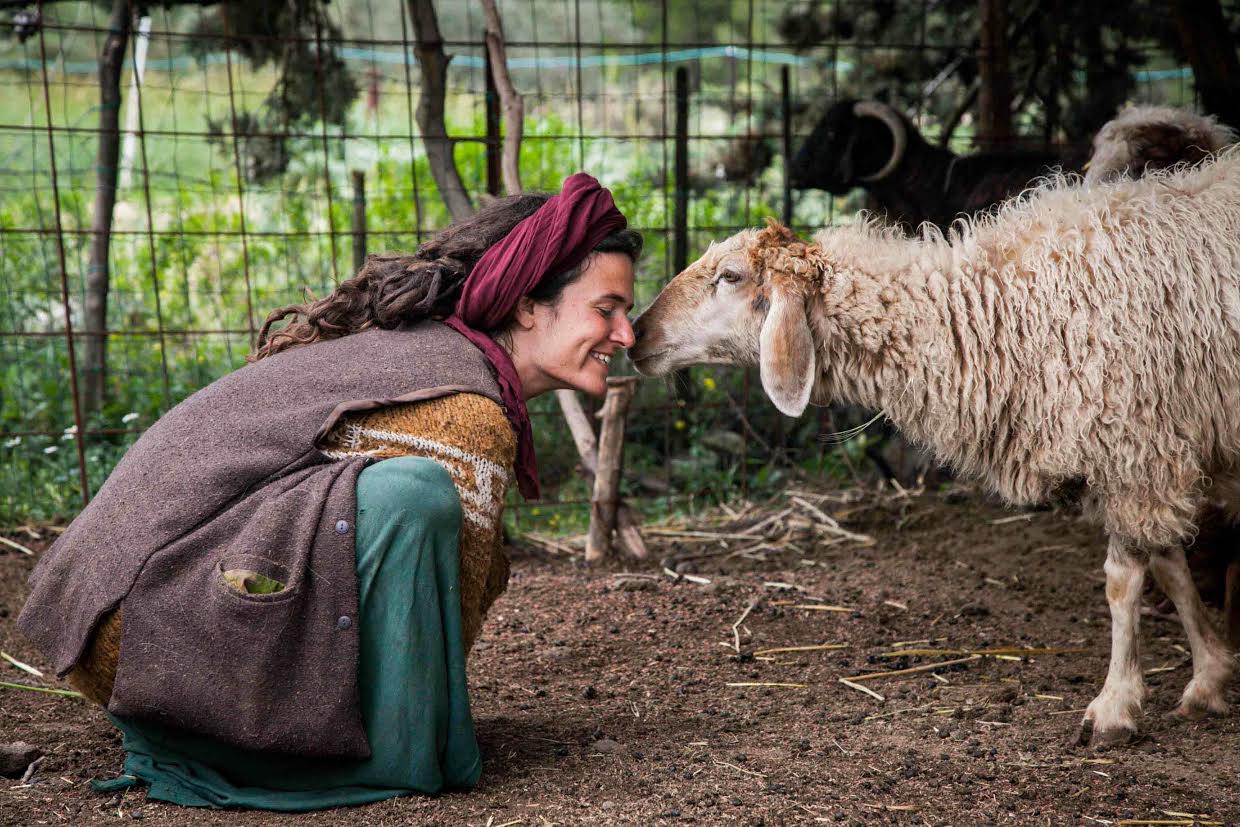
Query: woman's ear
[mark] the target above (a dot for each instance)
(523, 317)
(786, 358)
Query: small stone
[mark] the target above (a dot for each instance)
(635, 584)
(15, 757)
(607, 746)
(589, 693)
(1005, 694)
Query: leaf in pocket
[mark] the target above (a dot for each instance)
(247, 581)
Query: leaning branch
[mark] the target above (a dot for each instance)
(510, 100)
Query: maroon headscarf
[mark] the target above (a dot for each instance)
(557, 237)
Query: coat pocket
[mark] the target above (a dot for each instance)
(267, 560)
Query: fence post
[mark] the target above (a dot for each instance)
(683, 390)
(785, 106)
(359, 220)
(610, 462)
(994, 104)
(680, 219)
(493, 137)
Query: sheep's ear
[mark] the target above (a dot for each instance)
(786, 357)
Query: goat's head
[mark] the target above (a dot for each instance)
(855, 143)
(743, 302)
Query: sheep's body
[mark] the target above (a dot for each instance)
(1083, 337)
(1083, 334)
(1144, 138)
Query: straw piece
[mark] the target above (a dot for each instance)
(822, 647)
(67, 693)
(25, 667)
(867, 690)
(692, 578)
(995, 652)
(740, 769)
(1013, 519)
(6, 541)
(816, 607)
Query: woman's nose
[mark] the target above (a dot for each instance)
(623, 334)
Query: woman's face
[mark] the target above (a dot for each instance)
(569, 344)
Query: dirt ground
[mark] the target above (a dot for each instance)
(601, 699)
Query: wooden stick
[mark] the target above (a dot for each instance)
(925, 667)
(610, 461)
(736, 627)
(628, 532)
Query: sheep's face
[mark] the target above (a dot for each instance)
(741, 303)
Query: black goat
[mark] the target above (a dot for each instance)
(871, 145)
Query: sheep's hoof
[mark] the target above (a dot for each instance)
(1103, 739)
(1198, 709)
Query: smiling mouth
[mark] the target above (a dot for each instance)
(600, 357)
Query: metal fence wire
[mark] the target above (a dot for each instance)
(685, 110)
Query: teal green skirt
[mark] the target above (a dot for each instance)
(411, 674)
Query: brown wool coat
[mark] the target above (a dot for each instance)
(232, 479)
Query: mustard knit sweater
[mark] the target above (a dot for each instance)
(466, 433)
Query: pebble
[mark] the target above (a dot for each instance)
(606, 746)
(15, 757)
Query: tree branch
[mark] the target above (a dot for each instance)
(98, 272)
(510, 100)
(433, 64)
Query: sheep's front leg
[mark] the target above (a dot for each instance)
(1111, 719)
(1212, 664)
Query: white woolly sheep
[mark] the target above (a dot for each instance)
(1082, 338)
(1146, 138)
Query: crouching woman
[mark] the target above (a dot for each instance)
(275, 591)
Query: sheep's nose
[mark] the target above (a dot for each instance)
(639, 327)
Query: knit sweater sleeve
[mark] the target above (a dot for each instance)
(470, 436)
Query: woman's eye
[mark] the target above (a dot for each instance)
(606, 311)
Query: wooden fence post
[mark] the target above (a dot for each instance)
(359, 220)
(610, 461)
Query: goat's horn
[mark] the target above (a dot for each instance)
(899, 135)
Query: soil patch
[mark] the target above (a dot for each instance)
(604, 699)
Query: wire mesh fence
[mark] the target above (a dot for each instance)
(686, 111)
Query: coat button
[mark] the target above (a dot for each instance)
(342, 526)
(344, 622)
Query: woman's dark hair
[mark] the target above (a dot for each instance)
(391, 289)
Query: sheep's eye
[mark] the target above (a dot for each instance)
(730, 276)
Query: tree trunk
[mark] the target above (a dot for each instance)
(433, 64)
(98, 275)
(1216, 67)
(514, 107)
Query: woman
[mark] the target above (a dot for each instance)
(275, 590)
